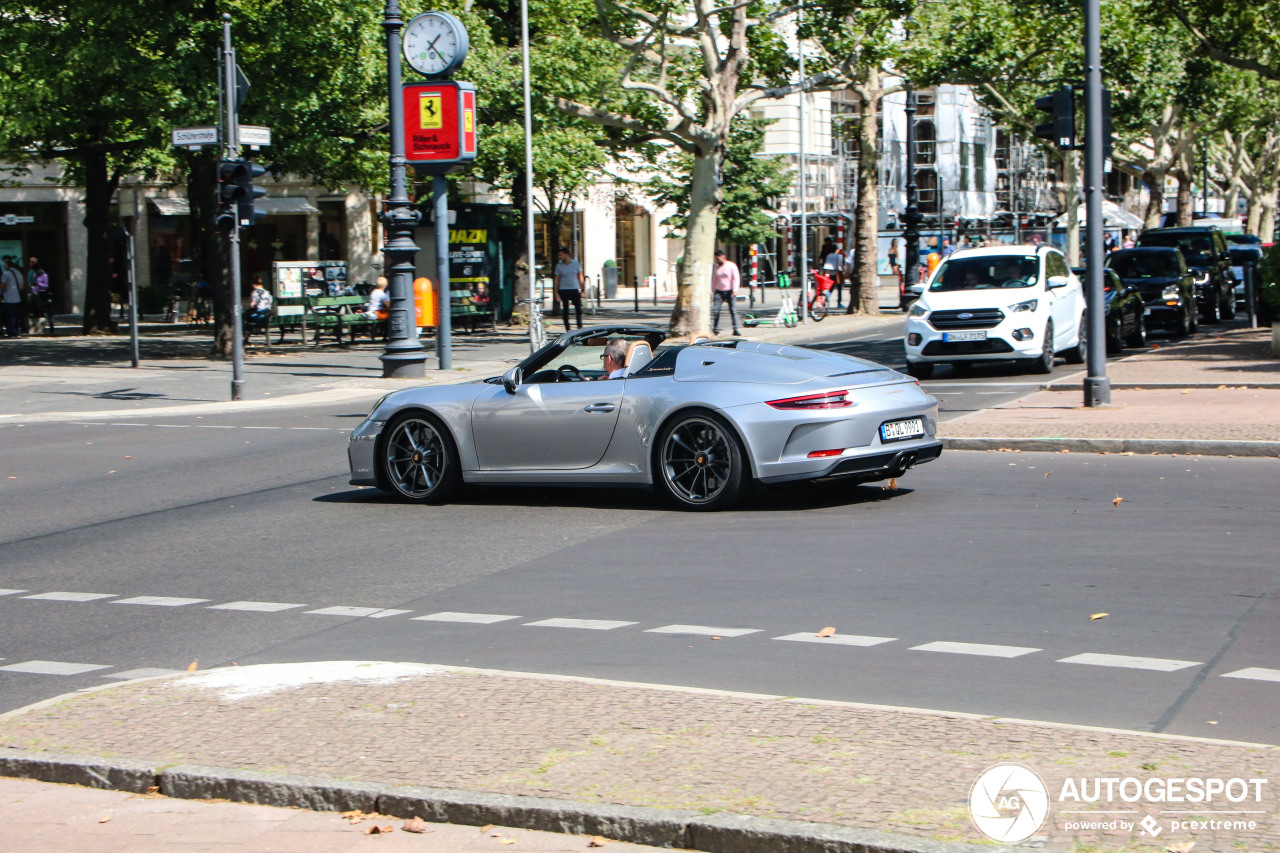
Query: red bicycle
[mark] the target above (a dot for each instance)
(821, 299)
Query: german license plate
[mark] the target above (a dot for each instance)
(979, 335)
(901, 430)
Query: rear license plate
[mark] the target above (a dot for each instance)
(980, 335)
(901, 430)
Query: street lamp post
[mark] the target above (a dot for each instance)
(911, 217)
(404, 356)
(1097, 387)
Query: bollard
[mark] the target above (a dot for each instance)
(635, 293)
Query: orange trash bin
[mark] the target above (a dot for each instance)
(424, 302)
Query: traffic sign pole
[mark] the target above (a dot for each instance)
(231, 151)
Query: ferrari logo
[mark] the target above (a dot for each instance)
(431, 115)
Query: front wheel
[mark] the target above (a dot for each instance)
(1078, 353)
(1138, 337)
(701, 466)
(418, 461)
(1228, 308)
(1043, 363)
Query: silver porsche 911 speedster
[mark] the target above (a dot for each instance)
(696, 418)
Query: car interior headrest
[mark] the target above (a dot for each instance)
(638, 355)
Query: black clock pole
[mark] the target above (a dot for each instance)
(403, 356)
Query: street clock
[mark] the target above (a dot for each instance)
(435, 44)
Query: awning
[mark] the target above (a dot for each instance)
(1113, 216)
(171, 206)
(284, 205)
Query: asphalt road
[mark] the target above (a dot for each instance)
(970, 588)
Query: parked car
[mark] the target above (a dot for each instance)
(699, 420)
(1205, 251)
(996, 304)
(1165, 282)
(1126, 324)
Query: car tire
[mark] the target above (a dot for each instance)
(1210, 314)
(1043, 363)
(417, 459)
(1078, 353)
(1228, 308)
(1115, 339)
(699, 462)
(920, 369)
(1138, 338)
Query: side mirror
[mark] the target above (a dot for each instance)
(511, 380)
(1056, 281)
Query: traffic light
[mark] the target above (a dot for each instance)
(236, 194)
(1061, 106)
(1107, 130)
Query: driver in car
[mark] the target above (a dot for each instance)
(615, 354)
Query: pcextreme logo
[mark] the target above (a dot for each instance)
(1008, 803)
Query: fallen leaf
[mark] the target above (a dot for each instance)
(1065, 450)
(415, 824)
(128, 457)
(893, 484)
(715, 638)
(506, 841)
(104, 818)
(1095, 617)
(379, 830)
(487, 826)
(596, 841)
(1117, 500)
(191, 667)
(1183, 847)
(1046, 474)
(154, 789)
(827, 632)
(1186, 391)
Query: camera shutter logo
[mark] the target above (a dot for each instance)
(1008, 803)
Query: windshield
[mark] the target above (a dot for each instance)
(989, 271)
(1196, 248)
(1144, 265)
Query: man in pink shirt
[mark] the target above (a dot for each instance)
(725, 280)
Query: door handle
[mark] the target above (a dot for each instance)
(599, 407)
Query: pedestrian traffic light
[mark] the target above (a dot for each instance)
(1107, 130)
(1061, 129)
(236, 193)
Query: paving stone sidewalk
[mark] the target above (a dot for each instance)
(906, 772)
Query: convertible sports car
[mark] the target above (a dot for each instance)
(699, 419)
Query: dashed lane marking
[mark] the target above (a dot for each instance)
(52, 667)
(257, 606)
(70, 596)
(590, 624)
(144, 672)
(371, 612)
(1129, 662)
(837, 639)
(476, 618)
(983, 649)
(702, 630)
(1255, 673)
(160, 601)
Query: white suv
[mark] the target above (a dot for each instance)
(997, 304)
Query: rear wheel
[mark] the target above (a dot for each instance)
(1138, 337)
(1043, 363)
(920, 369)
(700, 462)
(1115, 337)
(418, 461)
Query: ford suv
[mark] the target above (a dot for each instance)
(1004, 303)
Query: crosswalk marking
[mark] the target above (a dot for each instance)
(590, 624)
(70, 596)
(371, 612)
(1255, 673)
(983, 649)
(1130, 662)
(477, 618)
(52, 667)
(160, 601)
(257, 606)
(837, 639)
(703, 630)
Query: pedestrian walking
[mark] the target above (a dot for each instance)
(11, 284)
(725, 281)
(41, 297)
(569, 282)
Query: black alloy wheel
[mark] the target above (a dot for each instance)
(700, 462)
(418, 460)
(1138, 337)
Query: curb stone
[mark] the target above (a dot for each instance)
(1186, 447)
(1166, 386)
(720, 833)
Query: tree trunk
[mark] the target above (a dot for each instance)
(1070, 196)
(866, 228)
(99, 187)
(1267, 215)
(1154, 180)
(1186, 205)
(521, 283)
(692, 312)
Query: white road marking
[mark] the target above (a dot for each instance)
(160, 601)
(982, 393)
(71, 596)
(477, 618)
(837, 639)
(975, 649)
(1255, 673)
(11, 591)
(591, 624)
(258, 606)
(371, 612)
(703, 630)
(260, 427)
(216, 426)
(145, 672)
(1129, 662)
(52, 667)
(172, 426)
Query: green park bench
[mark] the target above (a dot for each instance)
(463, 307)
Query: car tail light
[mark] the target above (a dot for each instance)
(818, 454)
(827, 400)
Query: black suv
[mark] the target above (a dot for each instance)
(1205, 250)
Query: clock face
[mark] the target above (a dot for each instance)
(435, 44)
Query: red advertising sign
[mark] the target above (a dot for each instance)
(439, 123)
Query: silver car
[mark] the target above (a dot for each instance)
(699, 419)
